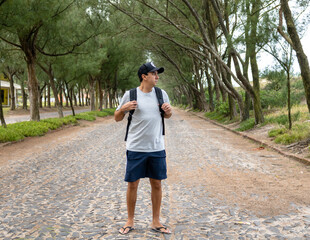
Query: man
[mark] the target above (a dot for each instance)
(146, 156)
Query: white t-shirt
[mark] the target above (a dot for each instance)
(146, 130)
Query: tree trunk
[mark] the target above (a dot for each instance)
(297, 46)
(231, 102)
(60, 96)
(70, 94)
(289, 99)
(259, 117)
(210, 91)
(45, 97)
(33, 91)
(50, 74)
(24, 95)
(1, 110)
(49, 95)
(100, 95)
(74, 97)
(86, 97)
(105, 98)
(92, 83)
(28, 47)
(12, 92)
(245, 82)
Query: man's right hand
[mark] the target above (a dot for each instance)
(129, 106)
(120, 114)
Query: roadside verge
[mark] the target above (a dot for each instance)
(261, 142)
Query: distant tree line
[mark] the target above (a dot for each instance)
(93, 48)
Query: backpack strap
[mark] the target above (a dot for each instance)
(132, 97)
(159, 95)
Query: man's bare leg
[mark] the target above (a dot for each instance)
(131, 196)
(156, 203)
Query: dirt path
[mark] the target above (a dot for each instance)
(235, 170)
(69, 184)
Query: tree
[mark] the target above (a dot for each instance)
(31, 26)
(293, 39)
(1, 109)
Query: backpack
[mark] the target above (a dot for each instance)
(133, 97)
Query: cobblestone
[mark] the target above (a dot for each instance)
(76, 191)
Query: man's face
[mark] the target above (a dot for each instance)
(151, 77)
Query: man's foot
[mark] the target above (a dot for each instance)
(125, 230)
(161, 229)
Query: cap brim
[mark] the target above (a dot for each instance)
(159, 70)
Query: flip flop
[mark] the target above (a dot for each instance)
(124, 229)
(159, 229)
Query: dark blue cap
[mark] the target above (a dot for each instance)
(149, 67)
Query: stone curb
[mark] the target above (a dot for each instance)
(289, 155)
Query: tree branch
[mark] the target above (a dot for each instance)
(58, 13)
(7, 41)
(65, 53)
(282, 33)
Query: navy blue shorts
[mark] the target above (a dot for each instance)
(146, 164)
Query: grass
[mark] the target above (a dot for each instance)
(20, 130)
(217, 117)
(279, 119)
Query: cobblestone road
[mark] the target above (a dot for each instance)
(76, 190)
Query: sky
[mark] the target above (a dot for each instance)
(266, 60)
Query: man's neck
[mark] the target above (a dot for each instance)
(146, 88)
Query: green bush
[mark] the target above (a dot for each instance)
(297, 133)
(110, 111)
(246, 125)
(85, 116)
(10, 135)
(216, 116)
(18, 131)
(222, 108)
(53, 123)
(283, 119)
(91, 116)
(69, 120)
(273, 98)
(30, 129)
(286, 138)
(276, 132)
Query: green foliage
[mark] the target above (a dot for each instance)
(9, 135)
(91, 116)
(276, 132)
(69, 120)
(18, 131)
(246, 125)
(30, 129)
(222, 108)
(109, 111)
(274, 94)
(85, 116)
(216, 116)
(299, 132)
(283, 118)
